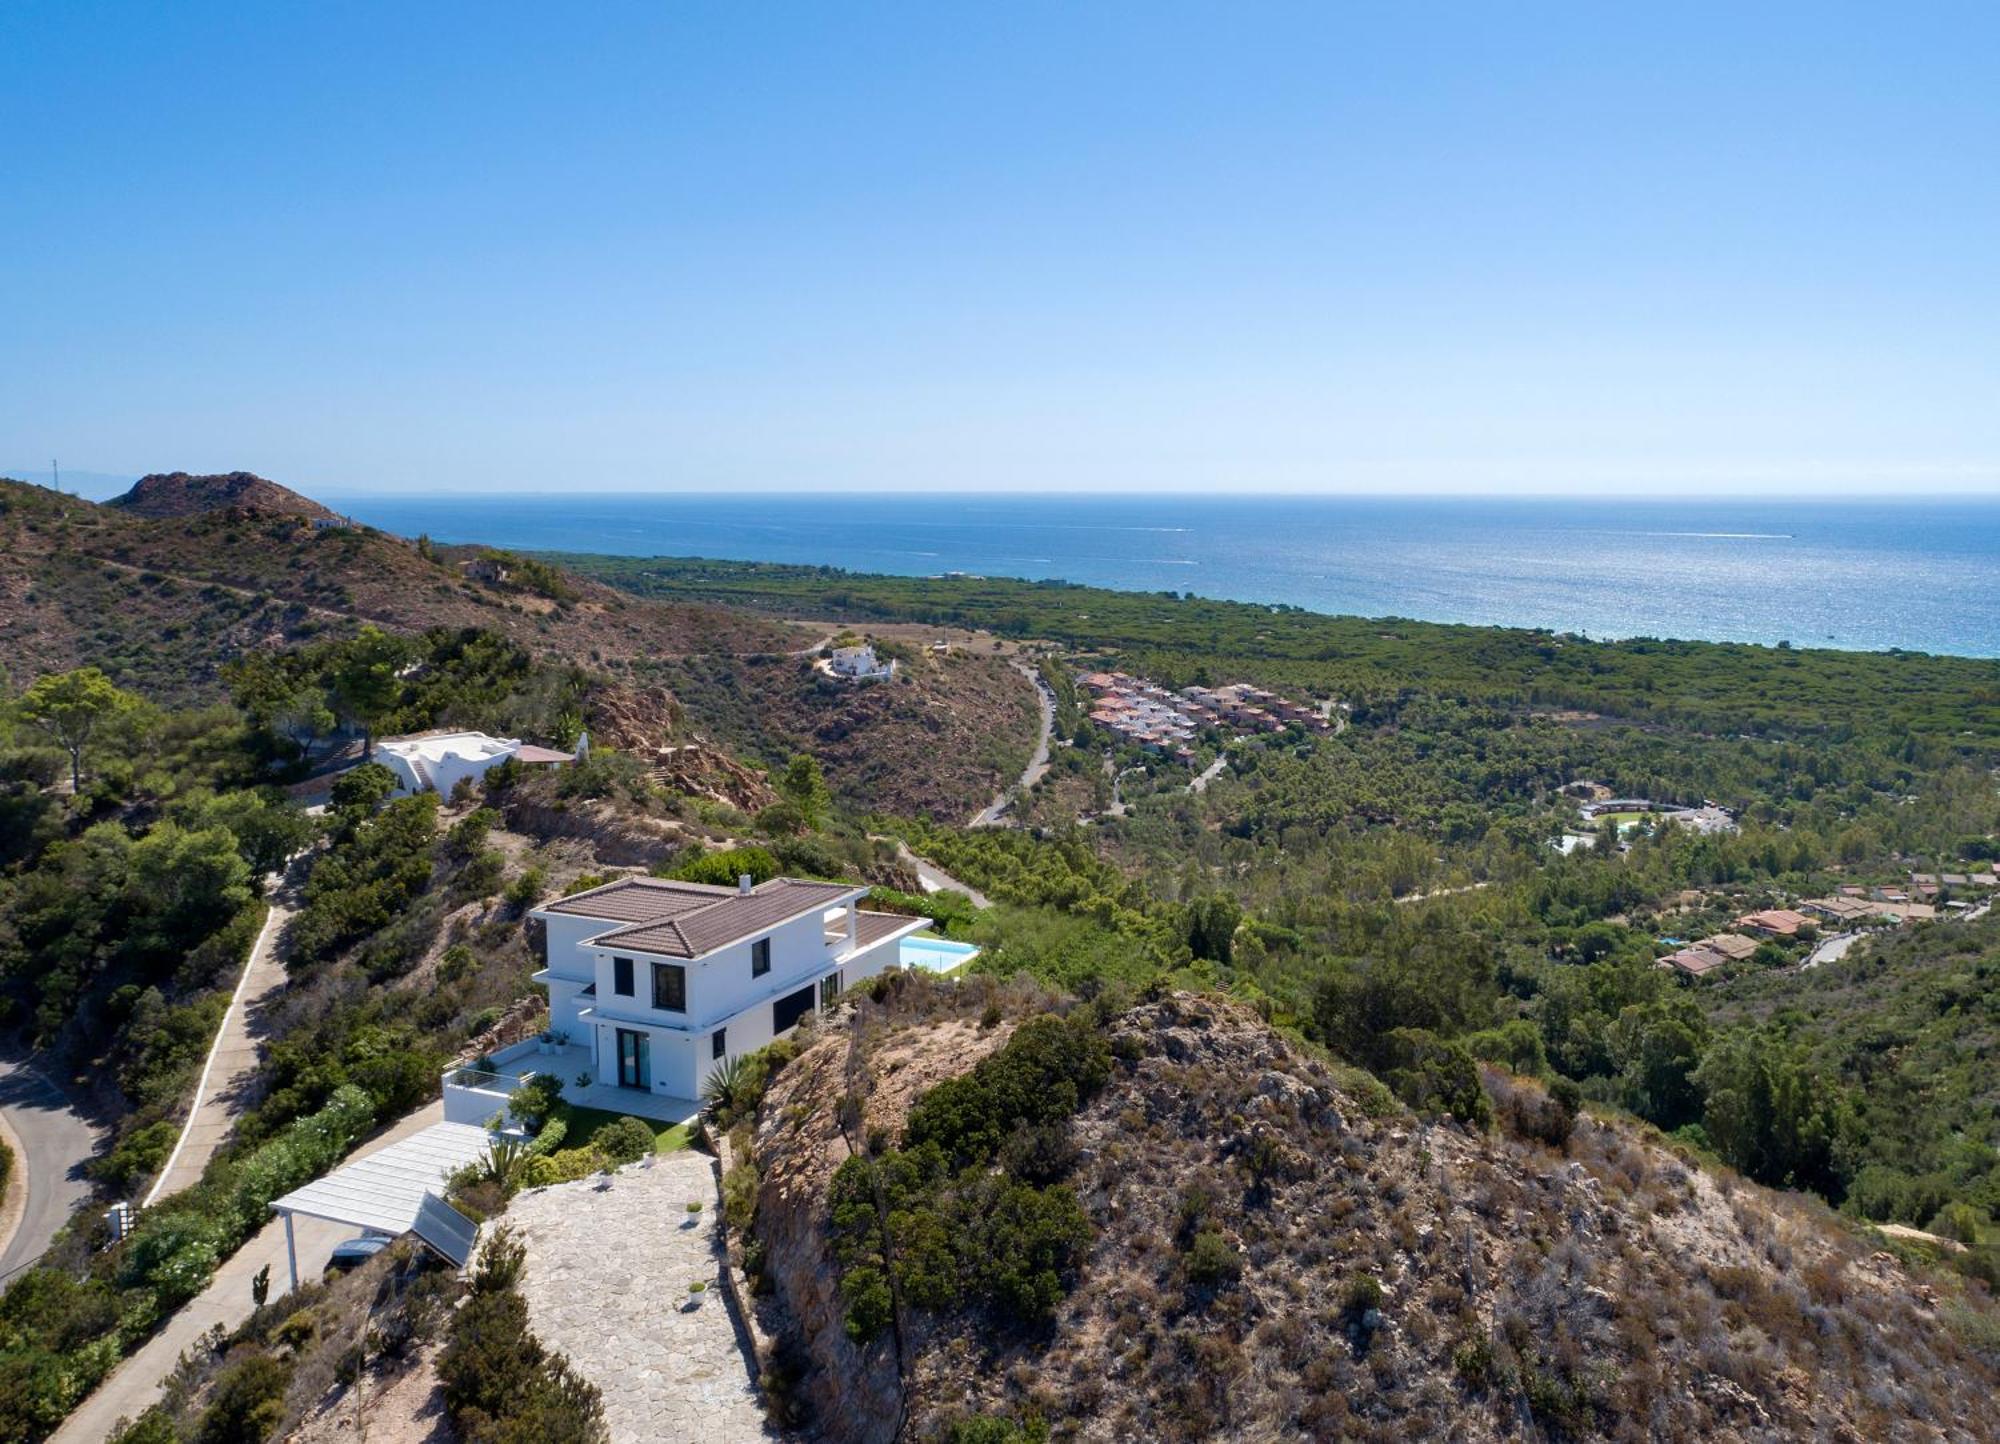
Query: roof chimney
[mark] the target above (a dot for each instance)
(743, 882)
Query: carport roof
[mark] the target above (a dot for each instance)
(384, 1192)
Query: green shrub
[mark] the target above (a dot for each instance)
(1960, 1221)
(565, 1166)
(248, 1402)
(624, 1140)
(722, 869)
(996, 1429)
(1363, 1294)
(535, 1102)
(1042, 1075)
(1434, 1075)
(137, 1156)
(1210, 1261)
(501, 1386)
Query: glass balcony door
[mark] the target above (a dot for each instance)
(635, 1064)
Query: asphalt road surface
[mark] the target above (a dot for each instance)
(55, 1143)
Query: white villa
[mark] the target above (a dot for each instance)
(655, 983)
(439, 761)
(859, 663)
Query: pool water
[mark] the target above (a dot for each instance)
(938, 955)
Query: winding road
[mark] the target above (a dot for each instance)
(995, 811)
(52, 1142)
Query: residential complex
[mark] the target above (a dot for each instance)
(1150, 715)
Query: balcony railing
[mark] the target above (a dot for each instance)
(478, 1078)
(473, 1095)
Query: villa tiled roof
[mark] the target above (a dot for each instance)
(639, 900)
(1730, 945)
(873, 927)
(730, 918)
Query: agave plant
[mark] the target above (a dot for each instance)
(727, 1086)
(504, 1154)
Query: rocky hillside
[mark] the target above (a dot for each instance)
(161, 603)
(176, 493)
(1276, 1251)
(940, 740)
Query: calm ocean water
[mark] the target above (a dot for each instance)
(1921, 574)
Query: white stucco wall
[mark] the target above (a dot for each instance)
(721, 994)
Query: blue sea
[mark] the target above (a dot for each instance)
(1918, 574)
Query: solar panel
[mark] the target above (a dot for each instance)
(445, 1229)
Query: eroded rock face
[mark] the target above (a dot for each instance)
(856, 1393)
(797, 1151)
(1365, 1274)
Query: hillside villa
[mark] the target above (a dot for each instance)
(655, 984)
(859, 664)
(439, 761)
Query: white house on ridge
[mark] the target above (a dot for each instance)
(439, 761)
(660, 982)
(859, 664)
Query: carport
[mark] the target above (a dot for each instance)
(395, 1191)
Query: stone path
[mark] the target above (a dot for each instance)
(608, 1268)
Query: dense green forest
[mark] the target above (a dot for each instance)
(1183, 639)
(128, 905)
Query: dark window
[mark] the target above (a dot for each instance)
(670, 987)
(760, 957)
(621, 977)
(829, 991)
(718, 1045)
(790, 1008)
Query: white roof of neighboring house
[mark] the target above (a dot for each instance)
(436, 746)
(385, 1191)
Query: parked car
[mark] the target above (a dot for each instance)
(354, 1252)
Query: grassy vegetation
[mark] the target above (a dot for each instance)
(582, 1124)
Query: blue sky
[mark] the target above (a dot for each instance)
(1263, 247)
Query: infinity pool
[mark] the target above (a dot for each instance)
(939, 955)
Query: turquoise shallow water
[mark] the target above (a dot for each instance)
(1922, 575)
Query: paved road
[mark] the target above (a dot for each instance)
(55, 1142)
(135, 1384)
(1417, 897)
(935, 879)
(1038, 765)
(1209, 774)
(230, 1072)
(1832, 950)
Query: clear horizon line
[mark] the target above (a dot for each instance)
(1118, 494)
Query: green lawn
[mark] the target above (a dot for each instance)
(583, 1124)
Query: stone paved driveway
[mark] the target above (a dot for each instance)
(608, 1268)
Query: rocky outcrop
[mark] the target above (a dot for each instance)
(634, 719)
(855, 1392)
(177, 493)
(695, 769)
(1281, 1252)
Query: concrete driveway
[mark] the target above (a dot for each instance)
(136, 1383)
(53, 1142)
